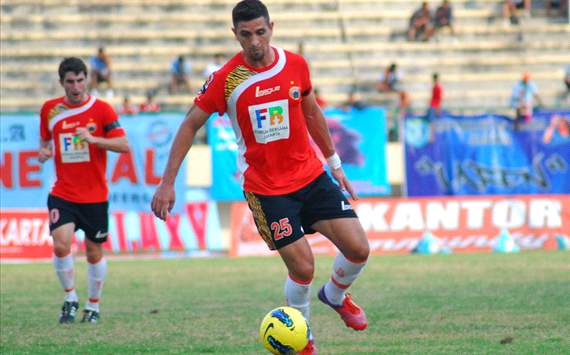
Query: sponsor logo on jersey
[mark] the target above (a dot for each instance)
(295, 93)
(263, 92)
(206, 84)
(345, 206)
(71, 125)
(73, 149)
(270, 121)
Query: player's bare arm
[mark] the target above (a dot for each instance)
(45, 152)
(116, 144)
(164, 197)
(319, 131)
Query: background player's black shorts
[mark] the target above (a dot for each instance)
(92, 218)
(283, 219)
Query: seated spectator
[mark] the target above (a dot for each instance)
(127, 108)
(443, 17)
(390, 79)
(149, 105)
(436, 97)
(510, 8)
(180, 79)
(320, 101)
(214, 65)
(101, 72)
(561, 5)
(420, 24)
(353, 101)
(522, 99)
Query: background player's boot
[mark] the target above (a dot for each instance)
(310, 349)
(352, 315)
(90, 316)
(68, 312)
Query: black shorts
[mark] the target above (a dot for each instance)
(283, 219)
(92, 218)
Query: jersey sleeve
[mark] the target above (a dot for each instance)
(211, 97)
(45, 134)
(111, 125)
(306, 85)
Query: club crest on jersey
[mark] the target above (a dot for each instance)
(295, 93)
(91, 127)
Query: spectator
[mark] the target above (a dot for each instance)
(353, 101)
(510, 10)
(567, 79)
(127, 108)
(180, 70)
(436, 97)
(420, 24)
(522, 99)
(443, 17)
(149, 105)
(558, 132)
(561, 5)
(214, 65)
(101, 72)
(320, 101)
(390, 79)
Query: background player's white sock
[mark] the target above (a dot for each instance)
(66, 275)
(298, 295)
(343, 275)
(95, 278)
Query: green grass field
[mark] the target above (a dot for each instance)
(445, 304)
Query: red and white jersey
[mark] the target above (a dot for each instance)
(80, 167)
(264, 106)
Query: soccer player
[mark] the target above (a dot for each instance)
(77, 130)
(267, 93)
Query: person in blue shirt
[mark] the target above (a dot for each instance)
(101, 72)
(522, 99)
(180, 75)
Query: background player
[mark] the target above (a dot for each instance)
(268, 96)
(82, 129)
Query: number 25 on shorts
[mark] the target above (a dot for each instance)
(281, 229)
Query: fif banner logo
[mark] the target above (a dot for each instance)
(270, 121)
(72, 143)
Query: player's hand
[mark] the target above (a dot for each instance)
(163, 201)
(45, 154)
(343, 182)
(85, 135)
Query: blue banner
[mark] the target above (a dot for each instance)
(475, 155)
(132, 176)
(359, 137)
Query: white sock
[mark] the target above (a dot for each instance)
(298, 295)
(66, 275)
(344, 274)
(95, 278)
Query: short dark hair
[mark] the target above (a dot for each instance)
(247, 10)
(435, 76)
(71, 64)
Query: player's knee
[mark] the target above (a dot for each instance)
(93, 255)
(303, 272)
(360, 253)
(61, 249)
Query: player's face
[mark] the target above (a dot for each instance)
(75, 86)
(254, 37)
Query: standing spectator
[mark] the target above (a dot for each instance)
(436, 97)
(149, 105)
(180, 70)
(389, 80)
(443, 17)
(522, 99)
(77, 130)
(561, 5)
(101, 72)
(420, 24)
(127, 108)
(214, 65)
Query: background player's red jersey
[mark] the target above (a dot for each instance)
(264, 105)
(80, 167)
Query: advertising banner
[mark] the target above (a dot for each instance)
(460, 155)
(132, 176)
(462, 224)
(24, 234)
(359, 137)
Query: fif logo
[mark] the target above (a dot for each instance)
(73, 143)
(274, 113)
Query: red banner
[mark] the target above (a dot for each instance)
(464, 224)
